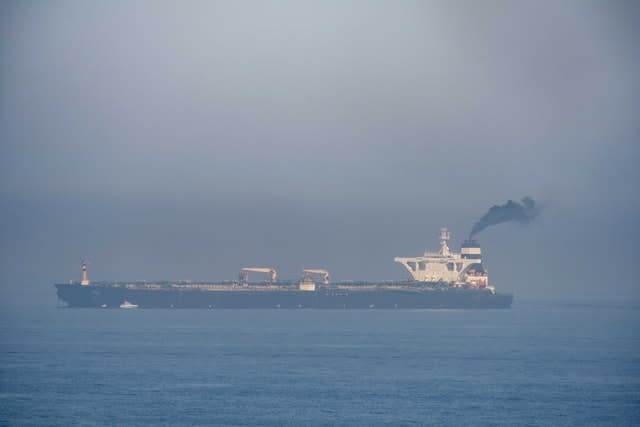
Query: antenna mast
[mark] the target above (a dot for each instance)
(444, 237)
(85, 274)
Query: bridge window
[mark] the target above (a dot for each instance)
(422, 265)
(450, 266)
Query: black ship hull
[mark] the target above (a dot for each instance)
(75, 295)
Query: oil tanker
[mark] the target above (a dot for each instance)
(443, 279)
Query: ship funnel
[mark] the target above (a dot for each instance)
(471, 250)
(85, 274)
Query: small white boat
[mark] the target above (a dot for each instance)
(103, 306)
(127, 304)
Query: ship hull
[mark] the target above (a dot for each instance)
(75, 295)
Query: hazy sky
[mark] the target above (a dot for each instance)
(170, 140)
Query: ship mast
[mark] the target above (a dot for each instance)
(444, 237)
(85, 274)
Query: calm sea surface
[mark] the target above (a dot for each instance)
(536, 364)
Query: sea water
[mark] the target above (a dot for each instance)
(536, 364)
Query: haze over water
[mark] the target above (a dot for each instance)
(169, 141)
(185, 141)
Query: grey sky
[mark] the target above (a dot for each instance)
(188, 139)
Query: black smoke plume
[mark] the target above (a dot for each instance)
(523, 213)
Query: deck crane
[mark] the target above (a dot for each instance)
(309, 271)
(244, 273)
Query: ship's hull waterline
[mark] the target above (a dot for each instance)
(105, 296)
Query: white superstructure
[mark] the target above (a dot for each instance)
(458, 269)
